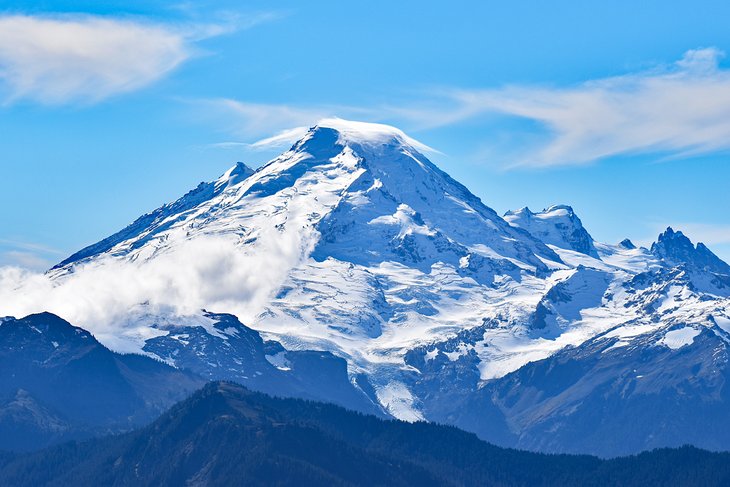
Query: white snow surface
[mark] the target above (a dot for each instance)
(279, 361)
(399, 402)
(676, 339)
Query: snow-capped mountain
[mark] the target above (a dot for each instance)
(557, 225)
(370, 248)
(675, 248)
(353, 243)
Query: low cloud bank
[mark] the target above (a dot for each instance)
(212, 273)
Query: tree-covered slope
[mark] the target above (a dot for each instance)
(228, 435)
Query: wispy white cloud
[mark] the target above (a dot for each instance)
(60, 59)
(255, 122)
(259, 120)
(27, 260)
(211, 273)
(27, 254)
(675, 110)
(281, 139)
(30, 246)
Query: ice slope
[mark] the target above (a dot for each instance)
(157, 222)
(356, 244)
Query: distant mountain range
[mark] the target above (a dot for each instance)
(368, 277)
(59, 383)
(228, 435)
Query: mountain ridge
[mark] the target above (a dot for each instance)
(60, 383)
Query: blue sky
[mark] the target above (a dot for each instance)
(619, 109)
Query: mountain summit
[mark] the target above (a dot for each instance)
(675, 247)
(557, 225)
(343, 184)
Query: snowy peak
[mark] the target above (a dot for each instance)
(673, 243)
(407, 209)
(372, 134)
(676, 248)
(557, 225)
(374, 145)
(627, 244)
(234, 175)
(331, 136)
(342, 187)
